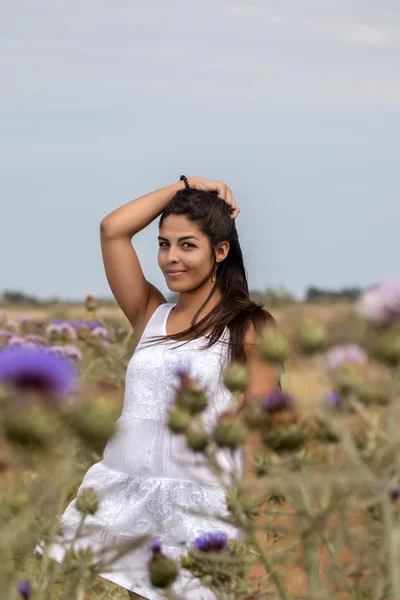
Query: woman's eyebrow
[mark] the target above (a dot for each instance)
(185, 237)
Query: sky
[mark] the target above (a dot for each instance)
(295, 104)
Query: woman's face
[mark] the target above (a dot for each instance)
(184, 254)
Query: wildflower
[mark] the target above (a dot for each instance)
(381, 303)
(90, 303)
(16, 341)
(162, 570)
(196, 438)
(190, 395)
(11, 326)
(58, 350)
(87, 501)
(332, 399)
(236, 378)
(214, 541)
(36, 369)
(178, 420)
(53, 331)
(312, 337)
(277, 401)
(36, 339)
(82, 329)
(99, 332)
(95, 419)
(347, 353)
(73, 352)
(155, 545)
(4, 336)
(24, 588)
(230, 431)
(57, 322)
(68, 333)
(387, 348)
(285, 438)
(273, 346)
(94, 324)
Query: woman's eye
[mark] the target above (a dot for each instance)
(163, 244)
(188, 245)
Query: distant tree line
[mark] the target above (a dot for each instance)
(350, 294)
(271, 297)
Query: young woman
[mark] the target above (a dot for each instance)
(149, 482)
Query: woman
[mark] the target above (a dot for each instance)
(149, 482)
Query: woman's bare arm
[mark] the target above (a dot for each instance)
(135, 295)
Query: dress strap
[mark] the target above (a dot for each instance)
(157, 322)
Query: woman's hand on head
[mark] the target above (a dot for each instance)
(224, 191)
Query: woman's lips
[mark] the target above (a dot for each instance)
(175, 273)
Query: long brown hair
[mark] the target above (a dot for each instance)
(235, 310)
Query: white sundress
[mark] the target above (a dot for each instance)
(149, 482)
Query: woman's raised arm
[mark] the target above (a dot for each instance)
(134, 294)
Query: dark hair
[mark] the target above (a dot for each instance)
(235, 310)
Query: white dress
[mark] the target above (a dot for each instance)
(148, 481)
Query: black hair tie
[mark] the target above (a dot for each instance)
(185, 179)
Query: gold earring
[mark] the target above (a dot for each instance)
(214, 279)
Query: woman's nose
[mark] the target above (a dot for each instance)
(173, 254)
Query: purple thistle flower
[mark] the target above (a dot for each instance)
(99, 332)
(94, 324)
(53, 330)
(347, 353)
(214, 541)
(332, 399)
(68, 332)
(72, 352)
(37, 369)
(36, 339)
(277, 401)
(381, 303)
(4, 335)
(24, 588)
(155, 545)
(12, 326)
(58, 350)
(57, 322)
(81, 322)
(16, 341)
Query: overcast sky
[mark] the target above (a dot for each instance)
(294, 103)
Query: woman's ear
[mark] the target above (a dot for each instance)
(221, 251)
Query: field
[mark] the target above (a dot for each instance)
(297, 556)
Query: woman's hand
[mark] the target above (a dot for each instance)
(224, 192)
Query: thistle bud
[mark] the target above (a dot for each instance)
(348, 378)
(312, 337)
(236, 378)
(30, 427)
(273, 346)
(253, 415)
(87, 502)
(196, 438)
(178, 420)
(90, 303)
(95, 419)
(388, 348)
(162, 570)
(282, 439)
(192, 399)
(230, 431)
